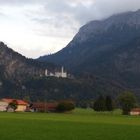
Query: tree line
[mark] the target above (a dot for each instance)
(125, 101)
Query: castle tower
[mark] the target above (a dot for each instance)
(63, 74)
(46, 72)
(62, 70)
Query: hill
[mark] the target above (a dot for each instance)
(14, 66)
(15, 70)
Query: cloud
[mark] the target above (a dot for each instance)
(83, 11)
(2, 15)
(63, 18)
(52, 23)
(20, 2)
(79, 11)
(72, 14)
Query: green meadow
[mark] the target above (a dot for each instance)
(78, 125)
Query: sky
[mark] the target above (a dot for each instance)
(40, 27)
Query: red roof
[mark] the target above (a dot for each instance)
(42, 106)
(19, 102)
(135, 110)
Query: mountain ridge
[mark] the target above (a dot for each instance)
(107, 48)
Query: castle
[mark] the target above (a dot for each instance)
(58, 74)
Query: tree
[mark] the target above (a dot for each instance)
(13, 105)
(109, 103)
(127, 101)
(99, 104)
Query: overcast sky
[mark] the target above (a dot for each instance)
(38, 27)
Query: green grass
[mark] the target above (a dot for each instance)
(79, 125)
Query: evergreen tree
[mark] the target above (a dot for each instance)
(109, 103)
(99, 104)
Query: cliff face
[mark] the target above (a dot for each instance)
(16, 66)
(108, 48)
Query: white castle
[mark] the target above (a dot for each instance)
(58, 74)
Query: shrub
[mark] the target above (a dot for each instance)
(65, 106)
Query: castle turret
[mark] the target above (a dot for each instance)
(62, 70)
(46, 72)
(63, 74)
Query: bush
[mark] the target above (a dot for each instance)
(65, 106)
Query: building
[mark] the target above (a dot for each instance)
(3, 105)
(135, 111)
(57, 74)
(43, 107)
(21, 105)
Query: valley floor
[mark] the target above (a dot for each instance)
(78, 125)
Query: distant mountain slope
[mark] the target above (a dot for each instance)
(15, 66)
(23, 78)
(108, 48)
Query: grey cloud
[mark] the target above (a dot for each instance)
(106, 8)
(98, 9)
(56, 27)
(64, 7)
(79, 12)
(20, 2)
(2, 14)
(66, 14)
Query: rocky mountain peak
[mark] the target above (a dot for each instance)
(94, 28)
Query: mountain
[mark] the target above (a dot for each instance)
(16, 71)
(14, 66)
(108, 48)
(24, 79)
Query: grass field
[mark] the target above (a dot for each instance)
(79, 125)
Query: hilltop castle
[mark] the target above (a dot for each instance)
(58, 74)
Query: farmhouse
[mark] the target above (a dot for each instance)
(43, 107)
(135, 111)
(21, 105)
(3, 105)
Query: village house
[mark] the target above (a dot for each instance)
(135, 111)
(3, 105)
(21, 105)
(43, 107)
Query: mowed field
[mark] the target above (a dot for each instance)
(78, 125)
